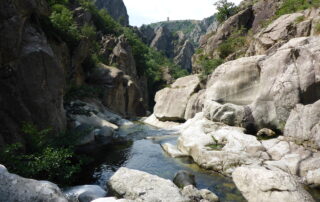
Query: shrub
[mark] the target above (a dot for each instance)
(45, 157)
(225, 10)
(317, 28)
(88, 31)
(209, 65)
(62, 19)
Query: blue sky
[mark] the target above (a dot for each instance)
(148, 11)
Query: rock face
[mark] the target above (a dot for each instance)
(16, 188)
(31, 77)
(184, 54)
(235, 82)
(292, 77)
(260, 184)
(283, 29)
(163, 41)
(242, 19)
(168, 107)
(140, 186)
(303, 125)
(116, 9)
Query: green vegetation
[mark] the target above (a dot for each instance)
(292, 6)
(317, 28)
(208, 65)
(225, 10)
(186, 26)
(45, 157)
(234, 43)
(84, 91)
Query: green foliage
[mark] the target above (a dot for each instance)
(186, 26)
(292, 6)
(209, 65)
(88, 31)
(225, 10)
(84, 91)
(62, 19)
(317, 28)
(53, 2)
(299, 19)
(235, 42)
(45, 157)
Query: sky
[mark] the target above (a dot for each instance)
(149, 11)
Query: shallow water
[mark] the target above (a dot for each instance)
(147, 155)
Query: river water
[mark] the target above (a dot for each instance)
(136, 152)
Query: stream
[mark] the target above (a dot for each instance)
(136, 152)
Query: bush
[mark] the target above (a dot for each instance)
(225, 10)
(45, 156)
(62, 19)
(292, 6)
(88, 31)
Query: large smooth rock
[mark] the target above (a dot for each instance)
(199, 138)
(289, 76)
(84, 193)
(258, 184)
(303, 125)
(171, 102)
(140, 186)
(235, 82)
(16, 188)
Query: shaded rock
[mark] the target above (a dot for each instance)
(31, 77)
(116, 9)
(195, 104)
(163, 41)
(266, 133)
(303, 125)
(120, 93)
(184, 178)
(168, 107)
(84, 193)
(16, 188)
(260, 184)
(183, 56)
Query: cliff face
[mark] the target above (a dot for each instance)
(31, 77)
(116, 9)
(38, 67)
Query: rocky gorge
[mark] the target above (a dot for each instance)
(246, 129)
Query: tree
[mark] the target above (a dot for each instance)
(225, 10)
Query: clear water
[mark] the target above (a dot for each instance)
(147, 155)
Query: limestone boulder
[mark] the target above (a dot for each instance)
(236, 82)
(140, 186)
(303, 125)
(217, 146)
(171, 102)
(289, 76)
(258, 184)
(16, 188)
(195, 104)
